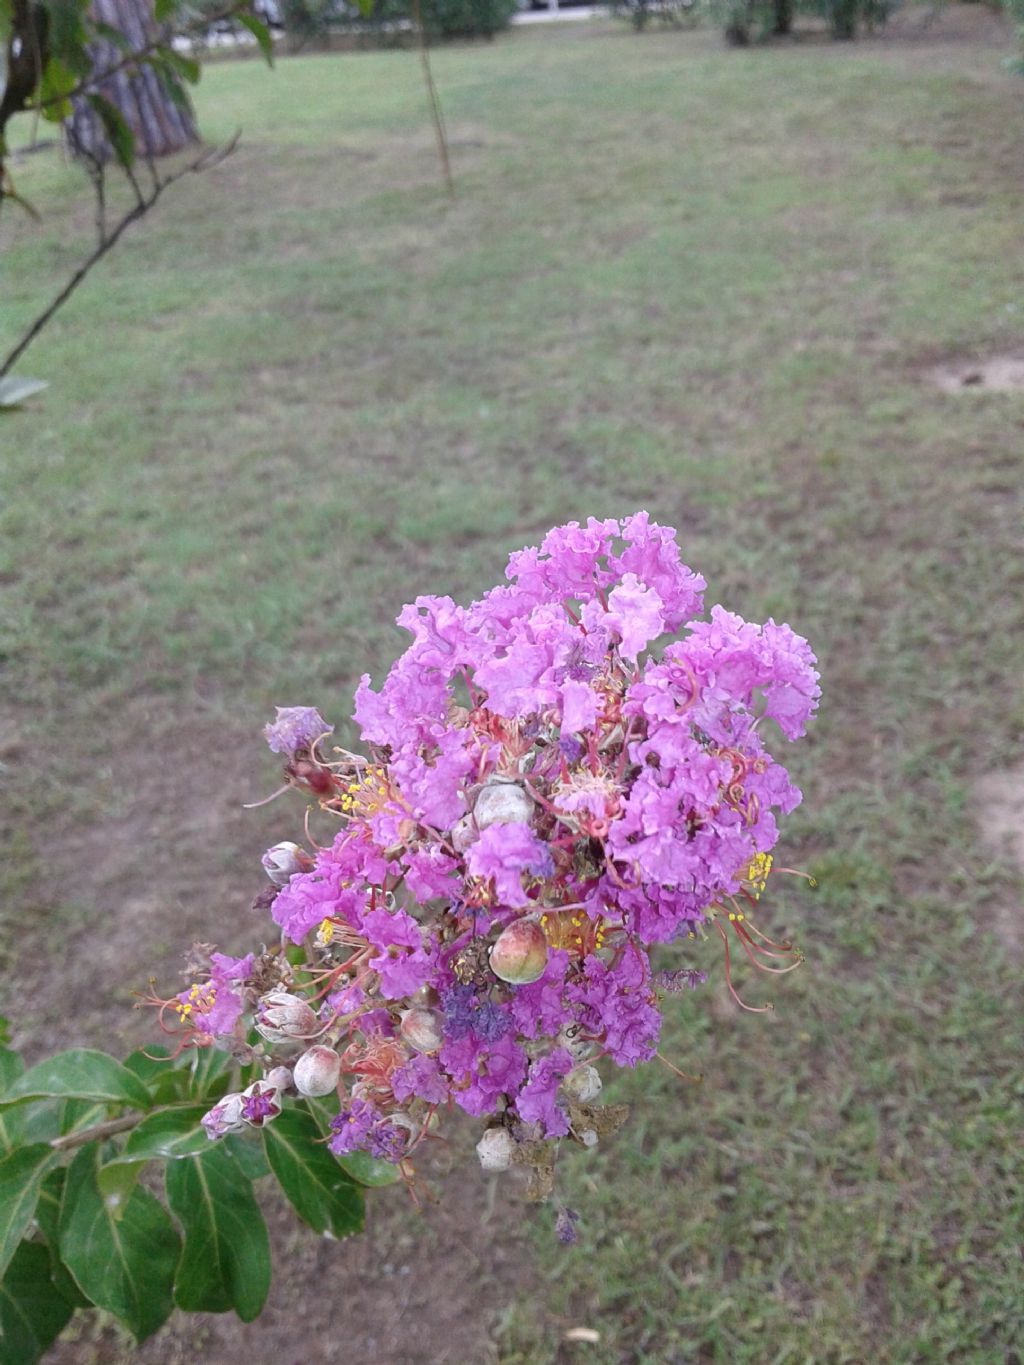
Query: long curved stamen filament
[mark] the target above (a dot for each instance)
(752, 1009)
(309, 838)
(255, 805)
(796, 872)
(683, 1075)
(762, 966)
(782, 947)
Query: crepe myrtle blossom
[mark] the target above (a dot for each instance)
(565, 789)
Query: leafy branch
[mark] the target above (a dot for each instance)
(78, 1229)
(145, 201)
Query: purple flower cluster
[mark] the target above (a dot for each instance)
(543, 799)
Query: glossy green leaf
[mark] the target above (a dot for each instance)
(11, 1067)
(21, 1174)
(210, 1077)
(48, 1221)
(31, 1314)
(165, 1078)
(368, 1170)
(47, 1119)
(225, 1262)
(247, 1149)
(124, 1264)
(79, 1074)
(321, 1192)
(166, 1135)
(11, 1121)
(115, 1182)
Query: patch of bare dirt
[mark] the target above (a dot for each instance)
(997, 374)
(416, 1288)
(999, 807)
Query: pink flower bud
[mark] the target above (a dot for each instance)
(280, 1078)
(421, 1029)
(283, 861)
(260, 1104)
(520, 954)
(280, 1017)
(225, 1117)
(502, 803)
(495, 1149)
(317, 1071)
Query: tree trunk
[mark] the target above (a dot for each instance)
(783, 15)
(159, 125)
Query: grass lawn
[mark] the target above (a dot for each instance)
(704, 282)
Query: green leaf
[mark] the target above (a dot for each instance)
(11, 1067)
(167, 1135)
(172, 86)
(119, 135)
(48, 1220)
(319, 1190)
(369, 1170)
(261, 33)
(21, 1174)
(14, 391)
(47, 1119)
(164, 9)
(11, 1122)
(124, 1264)
(79, 1074)
(113, 35)
(31, 1314)
(225, 1262)
(186, 67)
(66, 36)
(164, 1077)
(209, 1079)
(55, 85)
(247, 1150)
(115, 1182)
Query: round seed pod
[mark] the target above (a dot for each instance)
(421, 1029)
(583, 1084)
(495, 1149)
(317, 1071)
(502, 803)
(520, 954)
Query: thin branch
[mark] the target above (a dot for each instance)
(209, 158)
(435, 103)
(97, 1132)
